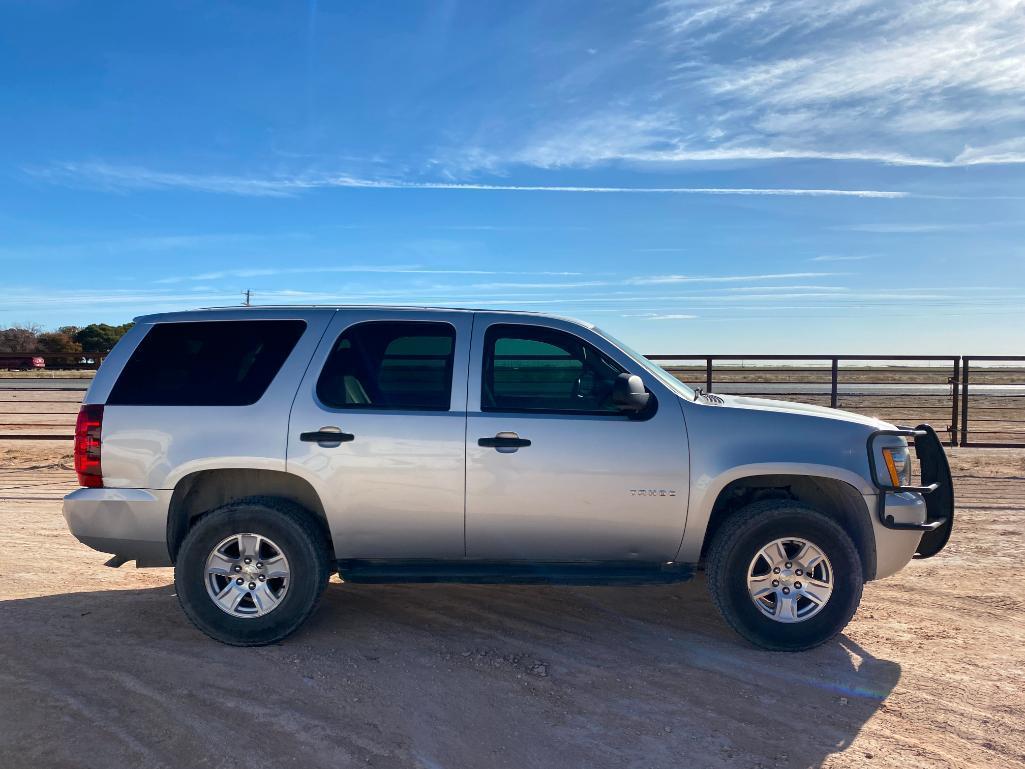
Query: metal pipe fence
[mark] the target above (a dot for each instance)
(993, 415)
(976, 401)
(907, 389)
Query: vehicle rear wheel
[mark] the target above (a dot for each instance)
(784, 576)
(251, 572)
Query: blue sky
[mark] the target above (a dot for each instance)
(692, 176)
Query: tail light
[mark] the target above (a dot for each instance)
(87, 446)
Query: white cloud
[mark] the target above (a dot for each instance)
(74, 245)
(658, 316)
(933, 83)
(128, 178)
(676, 279)
(260, 272)
(657, 302)
(1010, 151)
(742, 289)
(565, 152)
(504, 286)
(839, 258)
(911, 228)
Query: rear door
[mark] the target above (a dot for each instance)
(392, 387)
(587, 482)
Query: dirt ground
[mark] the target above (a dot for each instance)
(99, 667)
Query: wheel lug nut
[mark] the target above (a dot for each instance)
(797, 585)
(799, 572)
(248, 560)
(238, 568)
(252, 586)
(259, 565)
(775, 583)
(789, 564)
(263, 578)
(776, 570)
(786, 591)
(239, 581)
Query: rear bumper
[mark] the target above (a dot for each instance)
(128, 523)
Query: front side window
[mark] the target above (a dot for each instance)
(206, 363)
(390, 365)
(533, 368)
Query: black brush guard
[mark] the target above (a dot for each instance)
(937, 488)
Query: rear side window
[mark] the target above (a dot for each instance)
(217, 363)
(390, 365)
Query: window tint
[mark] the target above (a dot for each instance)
(390, 365)
(532, 368)
(216, 363)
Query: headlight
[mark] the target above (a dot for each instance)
(896, 470)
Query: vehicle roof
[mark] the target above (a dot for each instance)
(181, 315)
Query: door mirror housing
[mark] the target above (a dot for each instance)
(628, 393)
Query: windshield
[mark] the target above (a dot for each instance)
(654, 369)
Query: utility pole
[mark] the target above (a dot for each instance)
(246, 294)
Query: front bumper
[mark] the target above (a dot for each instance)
(937, 489)
(131, 524)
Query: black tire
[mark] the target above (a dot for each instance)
(298, 536)
(735, 546)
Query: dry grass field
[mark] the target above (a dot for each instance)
(100, 668)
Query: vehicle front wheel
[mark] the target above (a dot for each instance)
(784, 576)
(251, 572)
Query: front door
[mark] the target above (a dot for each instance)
(554, 471)
(392, 388)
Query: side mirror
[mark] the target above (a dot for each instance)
(628, 393)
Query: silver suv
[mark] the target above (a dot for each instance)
(258, 450)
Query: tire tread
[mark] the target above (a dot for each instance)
(727, 536)
(310, 529)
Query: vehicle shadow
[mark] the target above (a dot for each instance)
(425, 676)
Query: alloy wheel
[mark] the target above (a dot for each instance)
(247, 575)
(790, 580)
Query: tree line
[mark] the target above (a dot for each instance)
(96, 337)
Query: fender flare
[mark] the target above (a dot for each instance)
(706, 490)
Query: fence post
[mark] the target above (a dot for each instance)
(833, 399)
(964, 402)
(708, 375)
(955, 391)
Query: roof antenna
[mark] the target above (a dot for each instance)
(246, 294)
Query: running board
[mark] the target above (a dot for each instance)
(518, 573)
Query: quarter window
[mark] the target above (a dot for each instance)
(206, 363)
(390, 365)
(533, 368)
